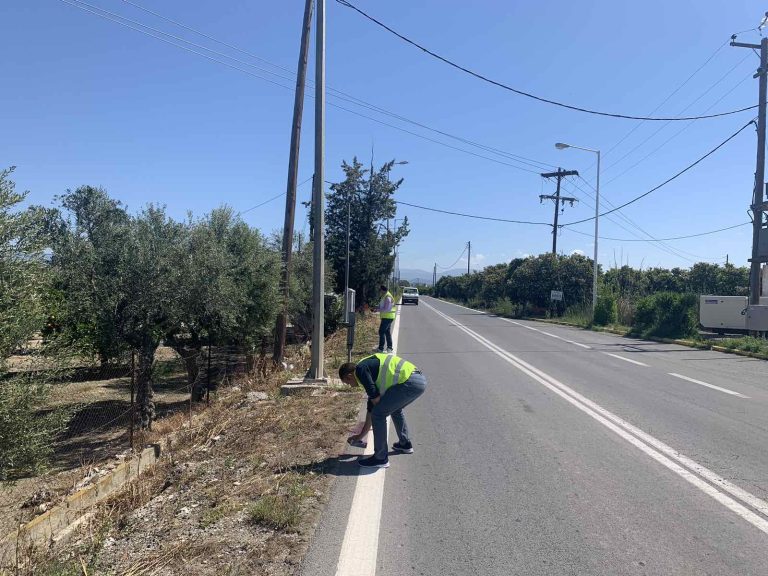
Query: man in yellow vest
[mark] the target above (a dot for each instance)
(391, 384)
(387, 311)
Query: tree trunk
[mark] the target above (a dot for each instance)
(144, 393)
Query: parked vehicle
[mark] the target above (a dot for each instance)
(411, 296)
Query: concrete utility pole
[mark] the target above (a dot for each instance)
(316, 370)
(469, 254)
(758, 196)
(434, 275)
(293, 174)
(560, 174)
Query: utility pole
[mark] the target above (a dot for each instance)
(758, 197)
(316, 370)
(560, 174)
(469, 254)
(434, 275)
(293, 173)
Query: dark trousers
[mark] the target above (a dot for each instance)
(391, 404)
(385, 333)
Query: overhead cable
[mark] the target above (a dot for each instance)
(528, 94)
(668, 180)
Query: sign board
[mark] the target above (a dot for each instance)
(556, 295)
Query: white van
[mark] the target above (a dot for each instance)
(411, 295)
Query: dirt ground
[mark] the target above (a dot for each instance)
(97, 435)
(239, 491)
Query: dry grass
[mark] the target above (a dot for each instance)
(238, 492)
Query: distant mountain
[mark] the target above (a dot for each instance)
(425, 276)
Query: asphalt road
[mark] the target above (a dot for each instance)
(548, 450)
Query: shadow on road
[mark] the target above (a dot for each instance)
(342, 465)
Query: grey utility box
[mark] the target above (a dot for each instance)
(757, 318)
(349, 306)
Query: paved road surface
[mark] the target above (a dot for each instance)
(549, 450)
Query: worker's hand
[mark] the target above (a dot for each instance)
(376, 400)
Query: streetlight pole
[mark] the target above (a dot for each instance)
(561, 146)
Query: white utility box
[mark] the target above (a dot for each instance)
(349, 307)
(723, 312)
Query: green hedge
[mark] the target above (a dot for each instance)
(667, 315)
(606, 311)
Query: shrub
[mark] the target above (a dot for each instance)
(606, 311)
(667, 315)
(505, 307)
(26, 431)
(281, 511)
(579, 314)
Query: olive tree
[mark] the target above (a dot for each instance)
(26, 436)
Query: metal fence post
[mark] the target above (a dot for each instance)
(133, 395)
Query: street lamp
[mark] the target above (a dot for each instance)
(562, 146)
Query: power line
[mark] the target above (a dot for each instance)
(671, 250)
(707, 233)
(527, 94)
(475, 216)
(272, 199)
(668, 180)
(675, 135)
(116, 19)
(675, 91)
(702, 95)
(344, 96)
(456, 262)
(262, 204)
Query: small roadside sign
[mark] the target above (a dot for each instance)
(556, 295)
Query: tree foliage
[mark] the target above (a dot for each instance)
(25, 435)
(369, 197)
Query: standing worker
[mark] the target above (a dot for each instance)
(387, 311)
(391, 384)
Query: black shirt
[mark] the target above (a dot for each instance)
(367, 371)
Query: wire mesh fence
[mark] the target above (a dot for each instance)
(101, 418)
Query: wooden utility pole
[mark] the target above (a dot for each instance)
(469, 254)
(293, 174)
(559, 200)
(758, 196)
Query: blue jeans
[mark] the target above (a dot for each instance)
(385, 333)
(391, 404)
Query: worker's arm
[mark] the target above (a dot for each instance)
(387, 304)
(363, 373)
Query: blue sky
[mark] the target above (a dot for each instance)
(86, 101)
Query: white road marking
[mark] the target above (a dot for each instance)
(700, 383)
(579, 344)
(360, 546)
(552, 335)
(625, 359)
(678, 463)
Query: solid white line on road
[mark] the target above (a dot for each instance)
(579, 344)
(625, 359)
(656, 449)
(361, 538)
(700, 383)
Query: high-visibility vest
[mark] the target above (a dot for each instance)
(392, 313)
(392, 370)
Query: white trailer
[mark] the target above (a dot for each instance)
(725, 313)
